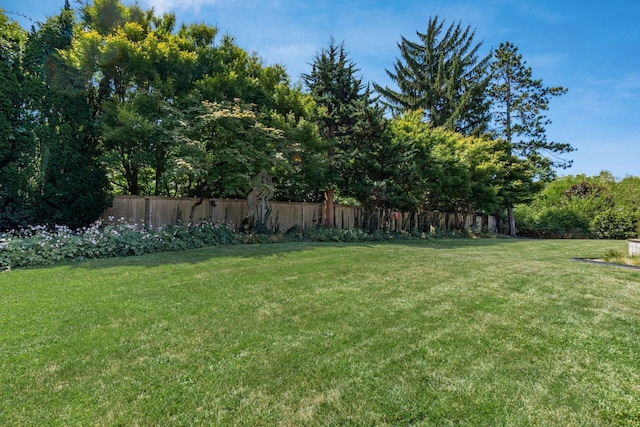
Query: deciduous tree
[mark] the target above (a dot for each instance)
(72, 183)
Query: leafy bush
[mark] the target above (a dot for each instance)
(576, 206)
(526, 218)
(615, 224)
(322, 234)
(39, 245)
(553, 221)
(563, 221)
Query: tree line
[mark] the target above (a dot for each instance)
(583, 206)
(114, 99)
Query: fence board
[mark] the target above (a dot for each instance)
(158, 212)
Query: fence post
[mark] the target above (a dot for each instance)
(146, 222)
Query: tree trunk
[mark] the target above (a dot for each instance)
(512, 222)
(328, 208)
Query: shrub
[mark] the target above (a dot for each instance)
(39, 245)
(526, 218)
(613, 255)
(563, 221)
(615, 223)
(553, 221)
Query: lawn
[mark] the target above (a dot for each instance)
(490, 332)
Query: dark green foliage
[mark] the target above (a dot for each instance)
(336, 92)
(73, 189)
(597, 206)
(17, 148)
(519, 102)
(345, 116)
(335, 89)
(442, 75)
(616, 223)
(301, 160)
(369, 162)
(238, 147)
(122, 100)
(40, 245)
(563, 221)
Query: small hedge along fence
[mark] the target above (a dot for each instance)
(570, 222)
(40, 245)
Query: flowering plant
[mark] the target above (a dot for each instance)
(41, 245)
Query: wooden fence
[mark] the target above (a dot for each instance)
(157, 212)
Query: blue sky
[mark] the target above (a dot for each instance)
(590, 47)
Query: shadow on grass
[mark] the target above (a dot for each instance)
(605, 263)
(263, 250)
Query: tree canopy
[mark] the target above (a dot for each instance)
(442, 75)
(519, 103)
(578, 205)
(110, 98)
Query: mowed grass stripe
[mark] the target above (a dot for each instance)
(445, 332)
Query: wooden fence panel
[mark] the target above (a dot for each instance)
(230, 212)
(129, 209)
(285, 216)
(158, 212)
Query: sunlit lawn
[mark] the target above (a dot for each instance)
(448, 332)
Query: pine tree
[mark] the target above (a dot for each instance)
(336, 91)
(442, 74)
(519, 102)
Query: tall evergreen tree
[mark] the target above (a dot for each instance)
(443, 75)
(73, 189)
(370, 161)
(336, 91)
(17, 147)
(519, 102)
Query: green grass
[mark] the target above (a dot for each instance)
(454, 332)
(619, 257)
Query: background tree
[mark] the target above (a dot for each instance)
(73, 189)
(519, 101)
(370, 161)
(239, 147)
(412, 165)
(335, 89)
(303, 154)
(442, 75)
(17, 147)
(142, 72)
